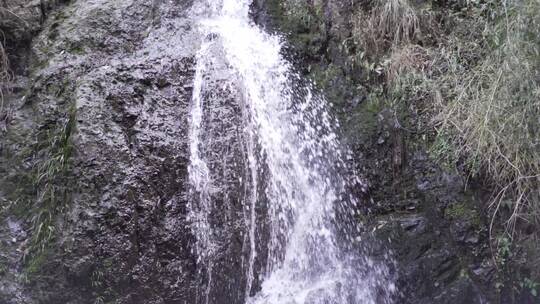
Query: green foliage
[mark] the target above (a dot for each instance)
(456, 211)
(3, 266)
(102, 292)
(34, 265)
(304, 17)
(532, 286)
(509, 276)
(97, 283)
(305, 25)
(50, 192)
(442, 149)
(97, 278)
(463, 211)
(504, 250)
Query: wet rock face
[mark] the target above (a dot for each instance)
(222, 274)
(107, 87)
(122, 73)
(130, 142)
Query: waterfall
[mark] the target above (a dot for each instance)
(293, 162)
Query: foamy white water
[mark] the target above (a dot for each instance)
(291, 137)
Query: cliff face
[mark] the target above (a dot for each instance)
(94, 155)
(95, 152)
(96, 126)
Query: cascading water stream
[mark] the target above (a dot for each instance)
(289, 136)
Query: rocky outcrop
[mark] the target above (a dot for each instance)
(94, 163)
(104, 96)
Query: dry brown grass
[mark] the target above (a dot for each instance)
(484, 86)
(492, 112)
(410, 59)
(389, 24)
(5, 74)
(395, 21)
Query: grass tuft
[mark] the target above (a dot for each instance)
(480, 82)
(492, 111)
(389, 24)
(51, 181)
(5, 74)
(395, 21)
(410, 59)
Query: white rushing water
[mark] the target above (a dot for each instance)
(290, 137)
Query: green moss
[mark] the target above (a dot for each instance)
(3, 267)
(302, 17)
(108, 263)
(323, 76)
(457, 211)
(76, 48)
(463, 211)
(364, 120)
(303, 23)
(60, 16)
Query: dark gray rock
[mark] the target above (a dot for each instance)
(123, 70)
